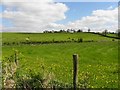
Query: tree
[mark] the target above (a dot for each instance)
(88, 30)
(119, 34)
(105, 32)
(80, 30)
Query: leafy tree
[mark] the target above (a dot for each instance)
(88, 30)
(80, 30)
(105, 32)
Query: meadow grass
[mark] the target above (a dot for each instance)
(113, 35)
(98, 61)
(21, 37)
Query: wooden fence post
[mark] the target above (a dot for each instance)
(75, 70)
(16, 57)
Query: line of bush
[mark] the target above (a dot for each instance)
(46, 42)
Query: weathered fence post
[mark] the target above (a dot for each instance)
(16, 57)
(75, 70)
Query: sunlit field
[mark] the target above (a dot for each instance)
(97, 67)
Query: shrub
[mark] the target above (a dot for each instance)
(80, 40)
(9, 70)
(113, 39)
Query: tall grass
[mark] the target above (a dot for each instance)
(98, 65)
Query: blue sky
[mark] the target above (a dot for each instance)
(5, 22)
(77, 10)
(0, 12)
(0, 8)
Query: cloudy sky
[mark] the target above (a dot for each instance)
(44, 15)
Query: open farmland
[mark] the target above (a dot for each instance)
(21, 37)
(98, 60)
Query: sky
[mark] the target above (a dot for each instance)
(44, 15)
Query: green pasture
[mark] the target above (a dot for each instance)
(21, 37)
(98, 61)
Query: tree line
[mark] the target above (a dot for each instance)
(77, 31)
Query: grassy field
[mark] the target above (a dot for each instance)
(113, 35)
(98, 61)
(21, 37)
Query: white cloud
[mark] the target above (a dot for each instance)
(54, 26)
(4, 1)
(33, 16)
(1, 28)
(98, 21)
(111, 7)
(36, 17)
